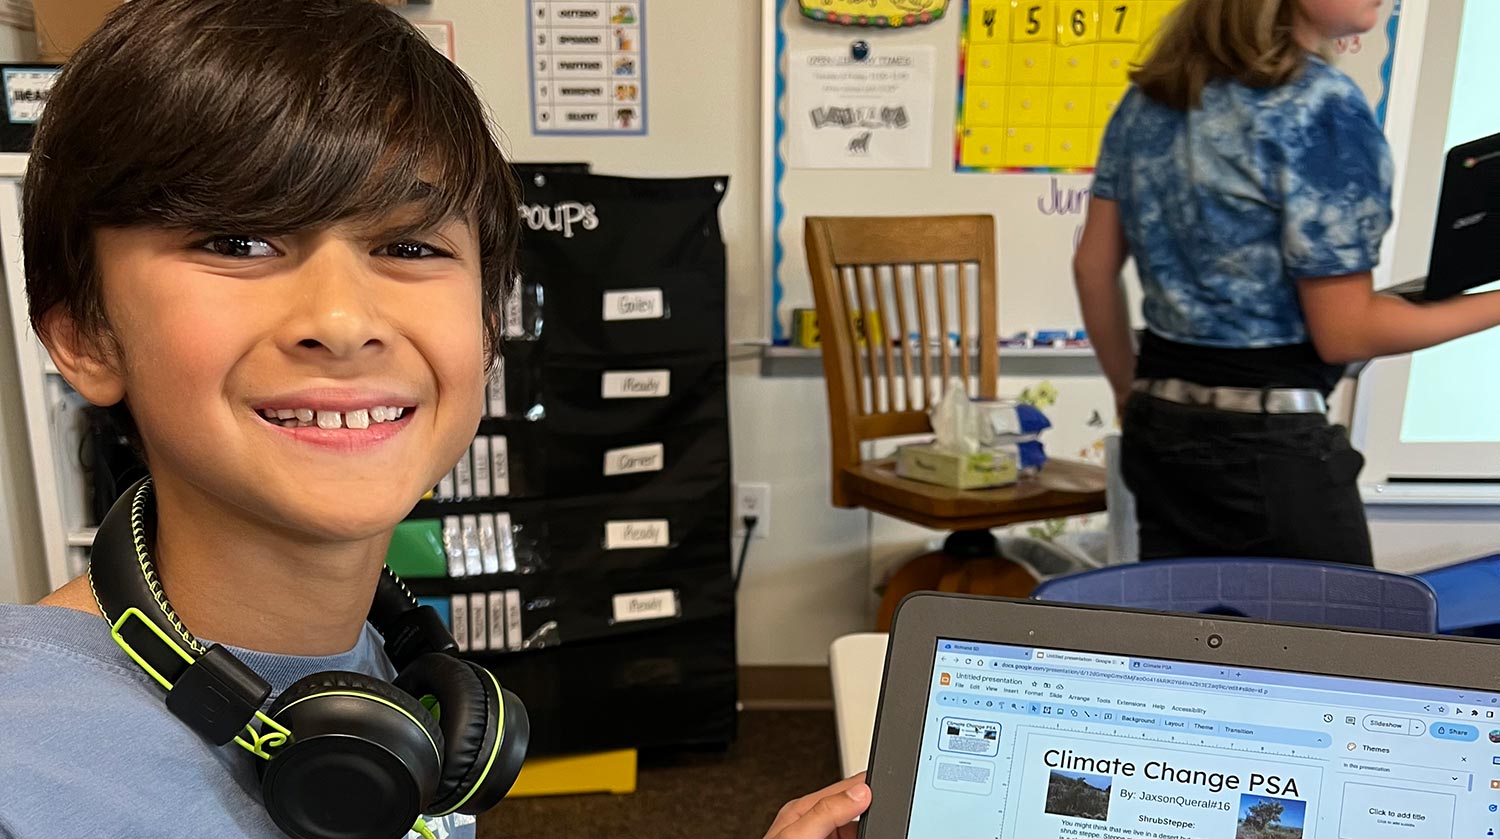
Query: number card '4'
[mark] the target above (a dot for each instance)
(989, 22)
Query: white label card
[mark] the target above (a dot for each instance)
(640, 304)
(506, 537)
(515, 312)
(453, 546)
(637, 384)
(513, 619)
(489, 547)
(459, 614)
(464, 477)
(646, 533)
(495, 390)
(497, 620)
(478, 625)
(500, 465)
(480, 450)
(645, 605)
(650, 458)
(473, 554)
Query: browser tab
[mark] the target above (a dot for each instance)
(1065, 658)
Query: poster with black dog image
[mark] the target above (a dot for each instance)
(1263, 817)
(860, 107)
(1079, 795)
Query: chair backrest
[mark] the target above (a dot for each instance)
(1300, 591)
(923, 287)
(1468, 595)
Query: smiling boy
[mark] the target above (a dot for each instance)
(273, 235)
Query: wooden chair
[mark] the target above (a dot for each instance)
(928, 280)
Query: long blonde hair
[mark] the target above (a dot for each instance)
(1250, 41)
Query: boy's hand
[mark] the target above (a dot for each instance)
(826, 814)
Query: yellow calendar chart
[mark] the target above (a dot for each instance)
(1038, 79)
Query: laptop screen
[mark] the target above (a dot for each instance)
(1028, 743)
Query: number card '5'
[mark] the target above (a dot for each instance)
(1031, 20)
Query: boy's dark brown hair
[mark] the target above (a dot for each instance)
(259, 117)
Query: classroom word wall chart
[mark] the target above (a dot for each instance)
(1038, 79)
(588, 66)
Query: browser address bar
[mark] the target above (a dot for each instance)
(1128, 676)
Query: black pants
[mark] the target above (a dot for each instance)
(1211, 483)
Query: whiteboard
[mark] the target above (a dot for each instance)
(1039, 215)
(1429, 423)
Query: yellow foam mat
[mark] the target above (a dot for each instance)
(603, 772)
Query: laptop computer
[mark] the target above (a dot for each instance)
(1464, 251)
(1004, 719)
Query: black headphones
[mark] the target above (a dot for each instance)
(344, 755)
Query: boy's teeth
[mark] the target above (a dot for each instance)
(306, 417)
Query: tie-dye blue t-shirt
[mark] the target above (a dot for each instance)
(1226, 206)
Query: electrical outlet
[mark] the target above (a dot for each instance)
(753, 500)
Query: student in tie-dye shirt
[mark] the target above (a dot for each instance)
(1250, 182)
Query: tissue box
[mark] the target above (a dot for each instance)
(927, 463)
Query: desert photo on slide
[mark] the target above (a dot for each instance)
(1262, 817)
(1079, 794)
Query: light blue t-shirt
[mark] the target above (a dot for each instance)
(88, 747)
(1225, 206)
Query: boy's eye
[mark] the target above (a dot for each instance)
(241, 247)
(409, 250)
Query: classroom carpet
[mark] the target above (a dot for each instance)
(780, 755)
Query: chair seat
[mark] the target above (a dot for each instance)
(1062, 488)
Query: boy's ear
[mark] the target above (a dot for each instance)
(90, 364)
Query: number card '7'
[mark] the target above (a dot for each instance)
(1120, 20)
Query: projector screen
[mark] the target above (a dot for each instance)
(1429, 423)
(1475, 109)
(1452, 394)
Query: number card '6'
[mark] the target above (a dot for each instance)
(1077, 22)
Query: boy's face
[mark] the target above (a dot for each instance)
(223, 335)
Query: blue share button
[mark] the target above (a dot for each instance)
(1454, 731)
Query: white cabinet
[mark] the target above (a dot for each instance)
(54, 422)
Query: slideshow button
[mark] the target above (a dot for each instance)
(1454, 731)
(1394, 725)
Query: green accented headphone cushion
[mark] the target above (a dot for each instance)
(468, 712)
(341, 680)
